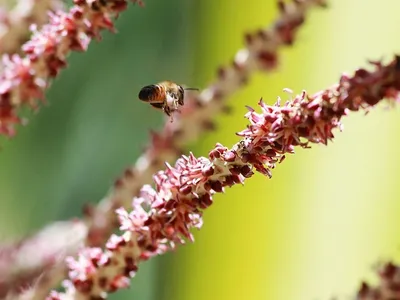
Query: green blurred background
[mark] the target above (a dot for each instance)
(315, 230)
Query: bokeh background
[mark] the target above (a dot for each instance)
(314, 230)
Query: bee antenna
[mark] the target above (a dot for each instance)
(192, 89)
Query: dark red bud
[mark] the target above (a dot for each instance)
(185, 190)
(363, 290)
(118, 183)
(221, 73)
(208, 171)
(216, 186)
(263, 35)
(248, 37)
(267, 59)
(270, 153)
(83, 286)
(246, 171)
(128, 173)
(388, 271)
(169, 205)
(130, 265)
(236, 179)
(362, 73)
(235, 170)
(229, 181)
(245, 157)
(205, 201)
(103, 282)
(214, 154)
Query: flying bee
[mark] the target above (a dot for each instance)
(165, 95)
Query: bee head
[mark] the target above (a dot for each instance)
(147, 91)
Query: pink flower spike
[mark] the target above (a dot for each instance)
(25, 78)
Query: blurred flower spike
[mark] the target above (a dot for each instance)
(162, 218)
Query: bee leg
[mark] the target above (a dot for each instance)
(176, 105)
(169, 113)
(167, 110)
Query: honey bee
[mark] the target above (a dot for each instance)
(165, 95)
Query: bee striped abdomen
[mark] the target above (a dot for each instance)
(152, 93)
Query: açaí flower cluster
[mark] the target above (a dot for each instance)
(163, 217)
(388, 287)
(15, 23)
(24, 79)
